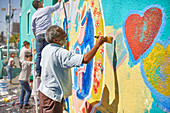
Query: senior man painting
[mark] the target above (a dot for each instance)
(56, 79)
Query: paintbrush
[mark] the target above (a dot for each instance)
(109, 39)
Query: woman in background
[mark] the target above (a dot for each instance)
(9, 67)
(24, 49)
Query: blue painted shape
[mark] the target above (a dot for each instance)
(162, 100)
(67, 102)
(87, 45)
(65, 26)
(155, 106)
(156, 38)
(166, 43)
(98, 112)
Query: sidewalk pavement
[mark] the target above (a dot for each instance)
(13, 96)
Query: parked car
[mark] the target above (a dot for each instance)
(12, 49)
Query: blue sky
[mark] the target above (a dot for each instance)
(4, 4)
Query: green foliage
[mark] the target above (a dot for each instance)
(14, 38)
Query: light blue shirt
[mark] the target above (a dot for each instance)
(41, 19)
(56, 79)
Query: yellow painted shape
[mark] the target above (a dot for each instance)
(62, 16)
(109, 71)
(156, 61)
(165, 65)
(134, 95)
(98, 55)
(74, 36)
(72, 110)
(109, 78)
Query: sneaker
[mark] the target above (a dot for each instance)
(20, 107)
(27, 106)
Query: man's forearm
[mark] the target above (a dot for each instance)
(89, 55)
(56, 6)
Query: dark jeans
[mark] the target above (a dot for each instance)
(24, 88)
(48, 105)
(40, 44)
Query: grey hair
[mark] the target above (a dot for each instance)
(54, 32)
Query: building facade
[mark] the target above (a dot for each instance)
(15, 28)
(131, 75)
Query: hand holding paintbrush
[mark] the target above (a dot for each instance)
(108, 39)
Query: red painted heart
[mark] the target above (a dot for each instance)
(141, 31)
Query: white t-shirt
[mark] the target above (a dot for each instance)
(11, 59)
(22, 53)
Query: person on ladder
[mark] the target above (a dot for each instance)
(41, 20)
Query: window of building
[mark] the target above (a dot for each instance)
(55, 1)
(28, 22)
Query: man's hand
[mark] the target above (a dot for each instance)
(59, 0)
(89, 55)
(101, 40)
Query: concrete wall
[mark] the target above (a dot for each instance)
(131, 75)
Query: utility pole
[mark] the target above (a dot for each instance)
(9, 17)
(8, 21)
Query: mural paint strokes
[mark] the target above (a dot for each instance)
(83, 74)
(59, 18)
(121, 51)
(142, 29)
(88, 79)
(132, 75)
(155, 69)
(98, 75)
(67, 104)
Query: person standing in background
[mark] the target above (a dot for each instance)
(24, 49)
(24, 78)
(9, 67)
